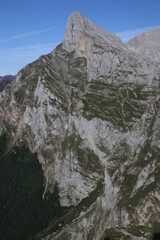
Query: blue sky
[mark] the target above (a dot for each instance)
(30, 28)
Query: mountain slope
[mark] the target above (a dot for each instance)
(146, 44)
(90, 110)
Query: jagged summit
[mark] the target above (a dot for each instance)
(93, 43)
(80, 31)
(146, 44)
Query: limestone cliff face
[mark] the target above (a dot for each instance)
(91, 111)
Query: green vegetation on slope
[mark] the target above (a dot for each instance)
(130, 232)
(23, 213)
(120, 105)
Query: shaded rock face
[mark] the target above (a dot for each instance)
(146, 44)
(91, 112)
(156, 236)
(5, 80)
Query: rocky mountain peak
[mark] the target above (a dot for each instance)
(80, 32)
(91, 42)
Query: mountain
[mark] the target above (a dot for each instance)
(80, 142)
(5, 80)
(146, 44)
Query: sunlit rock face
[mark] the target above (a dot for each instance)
(91, 112)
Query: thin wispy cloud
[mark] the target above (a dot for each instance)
(23, 53)
(16, 58)
(127, 35)
(27, 34)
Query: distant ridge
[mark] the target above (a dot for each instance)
(147, 44)
(5, 80)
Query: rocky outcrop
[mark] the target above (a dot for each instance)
(90, 109)
(146, 44)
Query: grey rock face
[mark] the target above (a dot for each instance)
(146, 44)
(90, 109)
